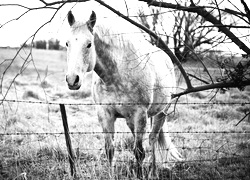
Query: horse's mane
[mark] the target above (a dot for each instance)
(117, 38)
(122, 35)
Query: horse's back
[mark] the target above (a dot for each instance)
(164, 70)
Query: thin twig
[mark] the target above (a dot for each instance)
(229, 26)
(24, 65)
(126, 7)
(246, 115)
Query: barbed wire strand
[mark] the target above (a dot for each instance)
(120, 103)
(119, 132)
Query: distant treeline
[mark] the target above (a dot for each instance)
(52, 44)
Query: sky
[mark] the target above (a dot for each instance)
(18, 31)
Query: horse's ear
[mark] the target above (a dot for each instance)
(71, 18)
(92, 21)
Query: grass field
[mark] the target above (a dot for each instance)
(38, 153)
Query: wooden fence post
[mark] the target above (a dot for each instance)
(68, 141)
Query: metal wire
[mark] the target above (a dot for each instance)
(120, 103)
(96, 132)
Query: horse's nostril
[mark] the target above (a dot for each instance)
(76, 80)
(72, 80)
(67, 79)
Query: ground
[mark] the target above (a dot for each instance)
(32, 143)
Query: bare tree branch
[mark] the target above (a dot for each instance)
(229, 84)
(45, 3)
(228, 26)
(125, 2)
(246, 115)
(217, 6)
(200, 10)
(29, 8)
(15, 19)
(246, 9)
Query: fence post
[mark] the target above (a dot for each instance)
(68, 140)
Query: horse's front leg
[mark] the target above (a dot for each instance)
(140, 121)
(107, 119)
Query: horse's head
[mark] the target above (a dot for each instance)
(80, 50)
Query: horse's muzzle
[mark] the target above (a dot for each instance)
(73, 82)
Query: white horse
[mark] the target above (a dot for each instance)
(132, 83)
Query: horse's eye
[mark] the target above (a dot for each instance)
(89, 45)
(67, 44)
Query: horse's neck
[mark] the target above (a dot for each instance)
(106, 67)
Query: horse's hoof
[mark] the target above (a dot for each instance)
(153, 176)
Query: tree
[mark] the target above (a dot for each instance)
(188, 34)
(41, 44)
(54, 44)
(239, 76)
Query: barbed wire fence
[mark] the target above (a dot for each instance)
(211, 151)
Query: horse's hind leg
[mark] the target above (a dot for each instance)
(165, 148)
(107, 119)
(157, 123)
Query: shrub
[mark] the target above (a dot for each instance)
(30, 94)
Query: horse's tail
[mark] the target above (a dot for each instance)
(166, 152)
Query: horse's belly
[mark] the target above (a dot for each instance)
(161, 96)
